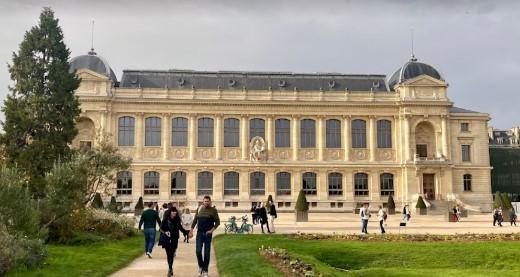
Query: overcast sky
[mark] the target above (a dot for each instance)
(474, 44)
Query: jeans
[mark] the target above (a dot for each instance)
(203, 239)
(364, 227)
(381, 223)
(149, 239)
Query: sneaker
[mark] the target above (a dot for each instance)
(170, 273)
(149, 255)
(204, 274)
(199, 272)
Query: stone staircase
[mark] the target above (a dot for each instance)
(439, 207)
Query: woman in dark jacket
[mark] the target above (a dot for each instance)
(263, 219)
(170, 227)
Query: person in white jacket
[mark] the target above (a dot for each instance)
(381, 215)
(364, 214)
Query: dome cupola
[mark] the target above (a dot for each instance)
(95, 63)
(412, 69)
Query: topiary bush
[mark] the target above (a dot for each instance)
(97, 202)
(301, 204)
(139, 207)
(420, 203)
(390, 204)
(113, 207)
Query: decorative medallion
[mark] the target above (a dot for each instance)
(309, 155)
(179, 154)
(257, 149)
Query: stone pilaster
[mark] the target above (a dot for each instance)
(295, 134)
(244, 136)
(444, 133)
(372, 136)
(192, 135)
(139, 135)
(244, 185)
(218, 137)
(270, 136)
(346, 137)
(165, 134)
(322, 185)
(321, 139)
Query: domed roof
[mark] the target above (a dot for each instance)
(412, 69)
(93, 62)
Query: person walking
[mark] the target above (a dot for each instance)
(263, 219)
(381, 215)
(495, 216)
(254, 214)
(512, 216)
(455, 214)
(459, 212)
(149, 218)
(162, 211)
(206, 220)
(500, 216)
(170, 228)
(272, 214)
(364, 214)
(406, 213)
(186, 220)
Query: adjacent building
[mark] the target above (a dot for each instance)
(504, 151)
(240, 136)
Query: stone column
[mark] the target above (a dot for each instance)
(218, 185)
(270, 136)
(406, 132)
(295, 140)
(164, 184)
(348, 186)
(139, 135)
(322, 185)
(444, 133)
(346, 137)
(296, 183)
(244, 136)
(372, 136)
(137, 184)
(321, 139)
(165, 134)
(191, 184)
(270, 186)
(218, 137)
(244, 185)
(375, 191)
(192, 135)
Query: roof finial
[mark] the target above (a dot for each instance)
(91, 52)
(413, 58)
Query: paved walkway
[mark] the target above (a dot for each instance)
(185, 263)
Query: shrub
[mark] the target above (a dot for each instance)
(97, 202)
(301, 204)
(420, 203)
(390, 204)
(20, 252)
(112, 225)
(113, 207)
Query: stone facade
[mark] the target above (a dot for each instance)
(423, 156)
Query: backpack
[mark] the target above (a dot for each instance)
(385, 216)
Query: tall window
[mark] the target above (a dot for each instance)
(283, 183)
(282, 132)
(231, 183)
(467, 182)
(205, 183)
(384, 134)
(333, 133)
(152, 131)
(179, 131)
(464, 127)
(256, 128)
(124, 183)
(178, 182)
(126, 128)
(466, 155)
(359, 134)
(308, 133)
(386, 184)
(360, 184)
(309, 183)
(231, 132)
(205, 132)
(257, 183)
(151, 182)
(335, 183)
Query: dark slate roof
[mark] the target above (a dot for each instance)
(229, 80)
(460, 110)
(93, 62)
(412, 69)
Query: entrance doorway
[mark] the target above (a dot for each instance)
(429, 186)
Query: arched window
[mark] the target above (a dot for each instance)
(124, 183)
(384, 134)
(282, 132)
(309, 183)
(467, 182)
(126, 129)
(205, 183)
(152, 131)
(335, 183)
(333, 133)
(256, 128)
(231, 132)
(205, 132)
(359, 134)
(231, 183)
(179, 131)
(151, 182)
(178, 183)
(307, 133)
(283, 183)
(386, 184)
(360, 184)
(257, 183)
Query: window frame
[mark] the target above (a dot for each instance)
(152, 131)
(126, 132)
(361, 189)
(180, 130)
(333, 133)
(178, 188)
(335, 184)
(152, 182)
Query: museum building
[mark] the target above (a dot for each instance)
(240, 136)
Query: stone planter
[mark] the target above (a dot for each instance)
(302, 216)
(391, 210)
(422, 211)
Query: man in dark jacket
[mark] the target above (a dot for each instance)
(263, 219)
(149, 218)
(207, 220)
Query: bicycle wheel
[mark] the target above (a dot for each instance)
(248, 228)
(228, 229)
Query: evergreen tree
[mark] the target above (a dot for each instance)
(41, 108)
(420, 203)
(301, 203)
(140, 205)
(498, 200)
(390, 204)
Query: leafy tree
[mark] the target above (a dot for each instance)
(41, 108)
(390, 204)
(97, 203)
(420, 203)
(301, 203)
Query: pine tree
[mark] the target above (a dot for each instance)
(41, 108)
(390, 204)
(301, 203)
(420, 203)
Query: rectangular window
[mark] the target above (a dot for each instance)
(179, 131)
(231, 132)
(422, 150)
(205, 132)
(333, 133)
(466, 155)
(282, 133)
(464, 127)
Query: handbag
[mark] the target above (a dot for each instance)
(164, 240)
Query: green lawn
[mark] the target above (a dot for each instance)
(98, 259)
(237, 255)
